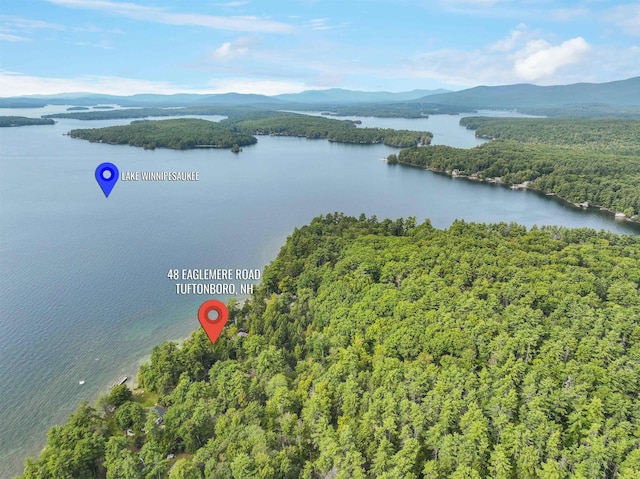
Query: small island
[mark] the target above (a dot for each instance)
(9, 121)
(78, 108)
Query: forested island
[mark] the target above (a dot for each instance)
(385, 349)
(78, 108)
(178, 134)
(307, 126)
(587, 162)
(240, 128)
(10, 121)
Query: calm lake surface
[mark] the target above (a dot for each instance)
(84, 288)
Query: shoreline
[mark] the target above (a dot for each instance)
(130, 369)
(525, 186)
(132, 381)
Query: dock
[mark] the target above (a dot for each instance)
(120, 381)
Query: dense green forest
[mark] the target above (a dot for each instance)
(586, 111)
(593, 161)
(240, 128)
(179, 134)
(8, 121)
(606, 135)
(382, 349)
(607, 180)
(343, 131)
(21, 103)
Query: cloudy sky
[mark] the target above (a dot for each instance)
(279, 46)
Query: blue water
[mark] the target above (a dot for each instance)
(83, 289)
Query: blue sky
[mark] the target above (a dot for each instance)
(271, 47)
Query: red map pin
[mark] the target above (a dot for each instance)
(213, 327)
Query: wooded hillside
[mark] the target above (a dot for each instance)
(389, 350)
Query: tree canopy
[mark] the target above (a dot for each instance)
(384, 349)
(593, 161)
(8, 121)
(239, 129)
(604, 135)
(341, 131)
(180, 134)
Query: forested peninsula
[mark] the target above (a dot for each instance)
(10, 121)
(382, 349)
(589, 162)
(239, 130)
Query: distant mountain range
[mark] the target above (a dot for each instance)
(140, 100)
(331, 96)
(618, 93)
(338, 95)
(623, 93)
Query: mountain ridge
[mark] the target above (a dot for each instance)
(521, 95)
(341, 95)
(577, 96)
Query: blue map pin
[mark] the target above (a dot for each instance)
(107, 177)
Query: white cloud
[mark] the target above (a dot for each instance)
(230, 50)
(625, 17)
(231, 4)
(154, 14)
(94, 29)
(539, 59)
(518, 58)
(509, 43)
(16, 29)
(612, 63)
(567, 14)
(7, 37)
(29, 24)
(323, 24)
(16, 84)
(535, 59)
(480, 3)
(104, 44)
(456, 67)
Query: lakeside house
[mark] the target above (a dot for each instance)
(161, 412)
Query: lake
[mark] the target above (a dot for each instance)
(84, 288)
